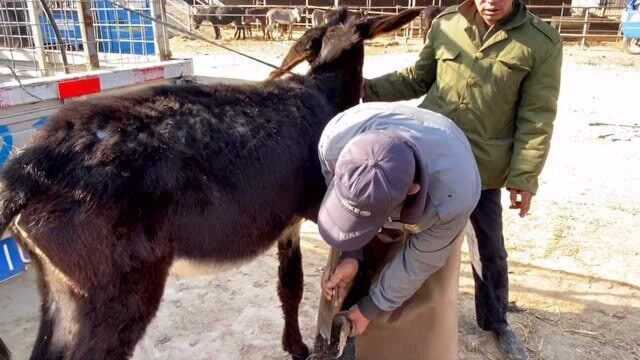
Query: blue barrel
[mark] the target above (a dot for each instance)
(12, 258)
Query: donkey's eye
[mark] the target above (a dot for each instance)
(331, 31)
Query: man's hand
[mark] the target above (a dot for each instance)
(342, 276)
(358, 321)
(524, 203)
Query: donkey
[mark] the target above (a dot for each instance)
(114, 189)
(288, 17)
(220, 16)
(5, 354)
(257, 15)
(318, 17)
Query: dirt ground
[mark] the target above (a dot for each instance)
(574, 262)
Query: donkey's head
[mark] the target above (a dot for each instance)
(296, 14)
(201, 15)
(336, 52)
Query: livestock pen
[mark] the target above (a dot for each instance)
(585, 23)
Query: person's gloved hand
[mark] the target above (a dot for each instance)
(359, 322)
(341, 277)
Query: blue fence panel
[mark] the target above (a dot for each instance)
(121, 31)
(117, 30)
(69, 27)
(631, 29)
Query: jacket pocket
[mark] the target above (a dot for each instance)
(513, 64)
(509, 72)
(448, 77)
(494, 159)
(445, 54)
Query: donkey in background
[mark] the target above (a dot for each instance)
(282, 17)
(128, 184)
(257, 15)
(220, 16)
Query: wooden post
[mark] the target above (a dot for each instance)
(585, 29)
(165, 30)
(160, 39)
(38, 42)
(413, 23)
(88, 37)
(561, 18)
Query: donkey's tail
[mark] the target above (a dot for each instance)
(5, 354)
(11, 203)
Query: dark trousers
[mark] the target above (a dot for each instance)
(492, 290)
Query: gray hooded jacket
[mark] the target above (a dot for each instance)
(450, 189)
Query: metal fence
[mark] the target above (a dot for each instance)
(574, 23)
(92, 34)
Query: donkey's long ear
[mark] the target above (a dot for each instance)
(340, 16)
(306, 48)
(373, 27)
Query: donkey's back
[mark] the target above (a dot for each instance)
(172, 151)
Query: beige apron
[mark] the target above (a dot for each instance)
(426, 326)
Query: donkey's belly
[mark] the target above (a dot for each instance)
(183, 267)
(225, 259)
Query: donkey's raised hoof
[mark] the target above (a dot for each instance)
(304, 355)
(298, 351)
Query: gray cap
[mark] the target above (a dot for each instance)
(372, 177)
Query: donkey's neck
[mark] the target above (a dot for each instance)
(341, 86)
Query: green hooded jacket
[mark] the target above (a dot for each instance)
(499, 85)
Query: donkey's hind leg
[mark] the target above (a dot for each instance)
(290, 285)
(105, 322)
(5, 354)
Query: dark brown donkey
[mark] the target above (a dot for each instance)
(114, 189)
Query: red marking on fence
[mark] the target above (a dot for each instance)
(78, 87)
(149, 74)
(4, 99)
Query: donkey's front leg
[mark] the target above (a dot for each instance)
(290, 284)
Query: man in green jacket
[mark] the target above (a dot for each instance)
(494, 69)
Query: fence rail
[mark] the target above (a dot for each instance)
(96, 33)
(581, 23)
